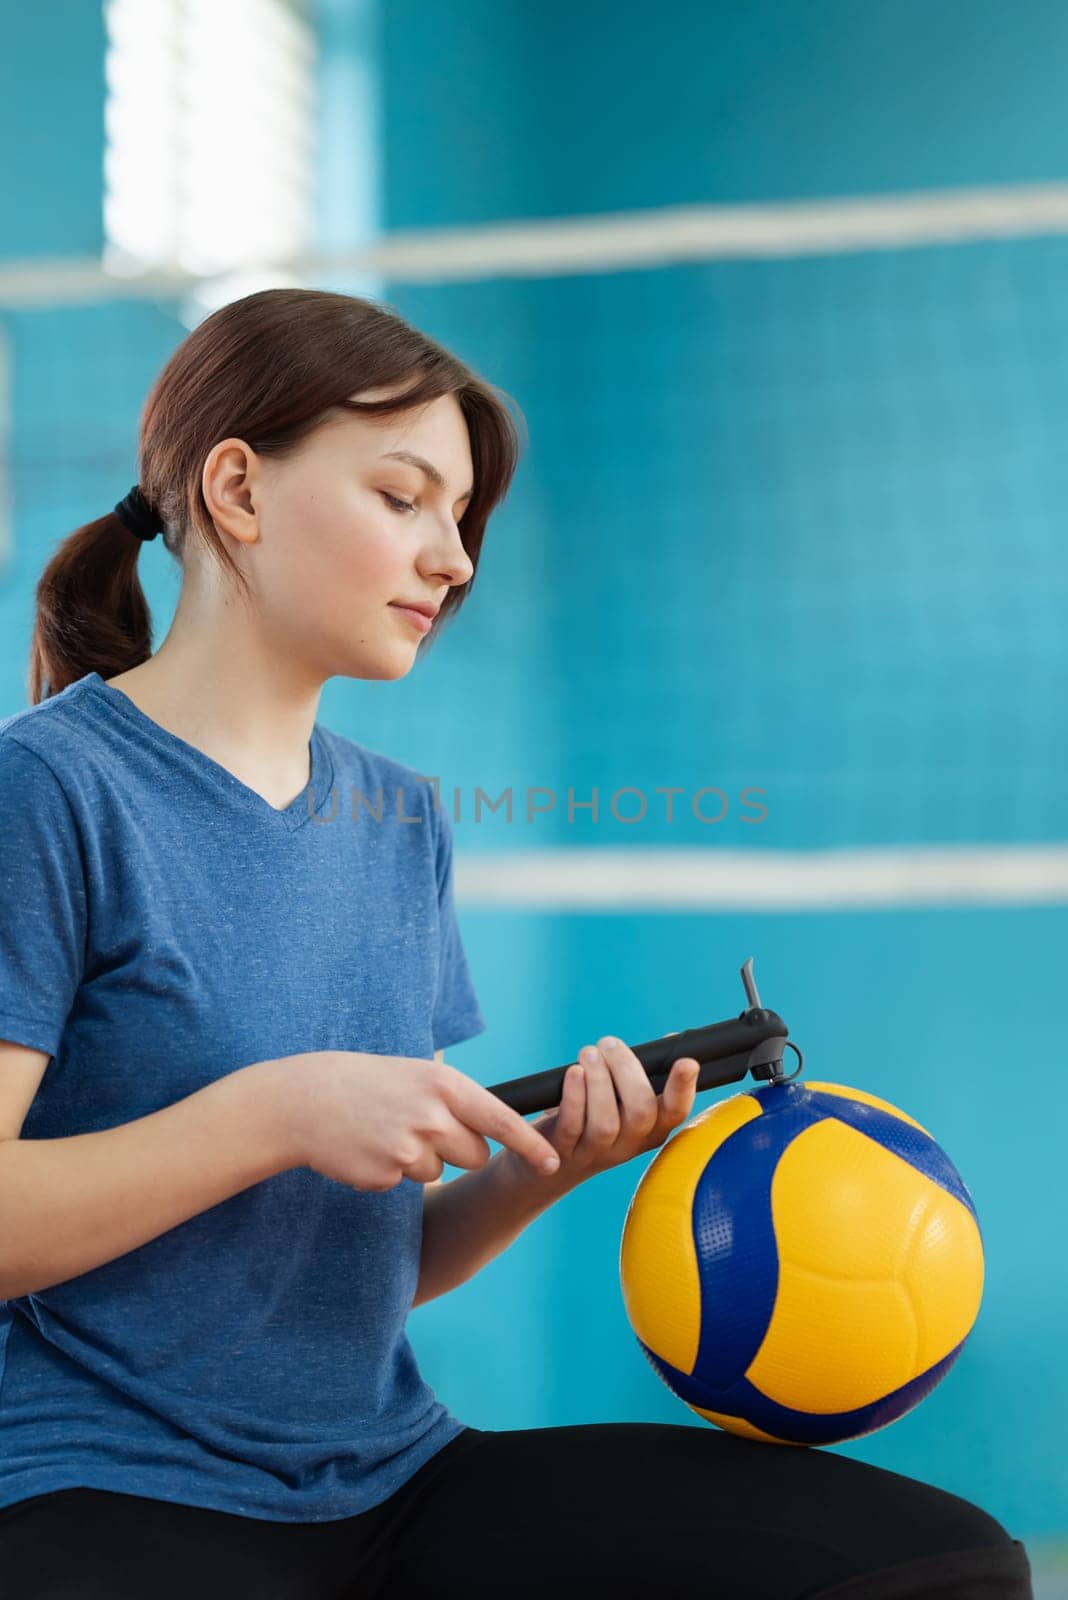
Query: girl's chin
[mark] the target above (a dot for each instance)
(396, 662)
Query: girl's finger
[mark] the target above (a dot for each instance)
(571, 1115)
(636, 1094)
(680, 1088)
(602, 1112)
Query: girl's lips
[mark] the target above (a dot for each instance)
(424, 624)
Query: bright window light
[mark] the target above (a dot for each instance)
(209, 163)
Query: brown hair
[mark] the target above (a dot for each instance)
(268, 369)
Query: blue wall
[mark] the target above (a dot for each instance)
(498, 110)
(51, 128)
(789, 524)
(795, 524)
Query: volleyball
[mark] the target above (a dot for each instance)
(801, 1263)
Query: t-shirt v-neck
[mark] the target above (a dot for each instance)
(294, 815)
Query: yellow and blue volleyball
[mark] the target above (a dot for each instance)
(801, 1263)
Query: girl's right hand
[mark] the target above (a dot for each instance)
(370, 1120)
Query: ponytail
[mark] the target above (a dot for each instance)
(92, 615)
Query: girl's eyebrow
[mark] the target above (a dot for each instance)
(425, 467)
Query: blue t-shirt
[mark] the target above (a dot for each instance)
(162, 925)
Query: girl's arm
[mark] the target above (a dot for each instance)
(472, 1218)
(68, 1205)
(608, 1114)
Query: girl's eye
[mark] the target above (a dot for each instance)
(397, 505)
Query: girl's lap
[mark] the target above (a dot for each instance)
(643, 1508)
(613, 1509)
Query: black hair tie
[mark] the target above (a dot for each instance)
(137, 514)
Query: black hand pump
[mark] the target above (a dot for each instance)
(751, 1042)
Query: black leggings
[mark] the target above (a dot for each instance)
(615, 1509)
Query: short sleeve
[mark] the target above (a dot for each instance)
(43, 903)
(456, 1010)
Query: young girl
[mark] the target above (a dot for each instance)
(230, 968)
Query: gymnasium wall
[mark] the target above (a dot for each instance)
(790, 524)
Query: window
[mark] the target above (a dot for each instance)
(210, 159)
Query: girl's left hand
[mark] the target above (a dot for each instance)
(591, 1132)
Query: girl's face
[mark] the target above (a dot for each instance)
(333, 538)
